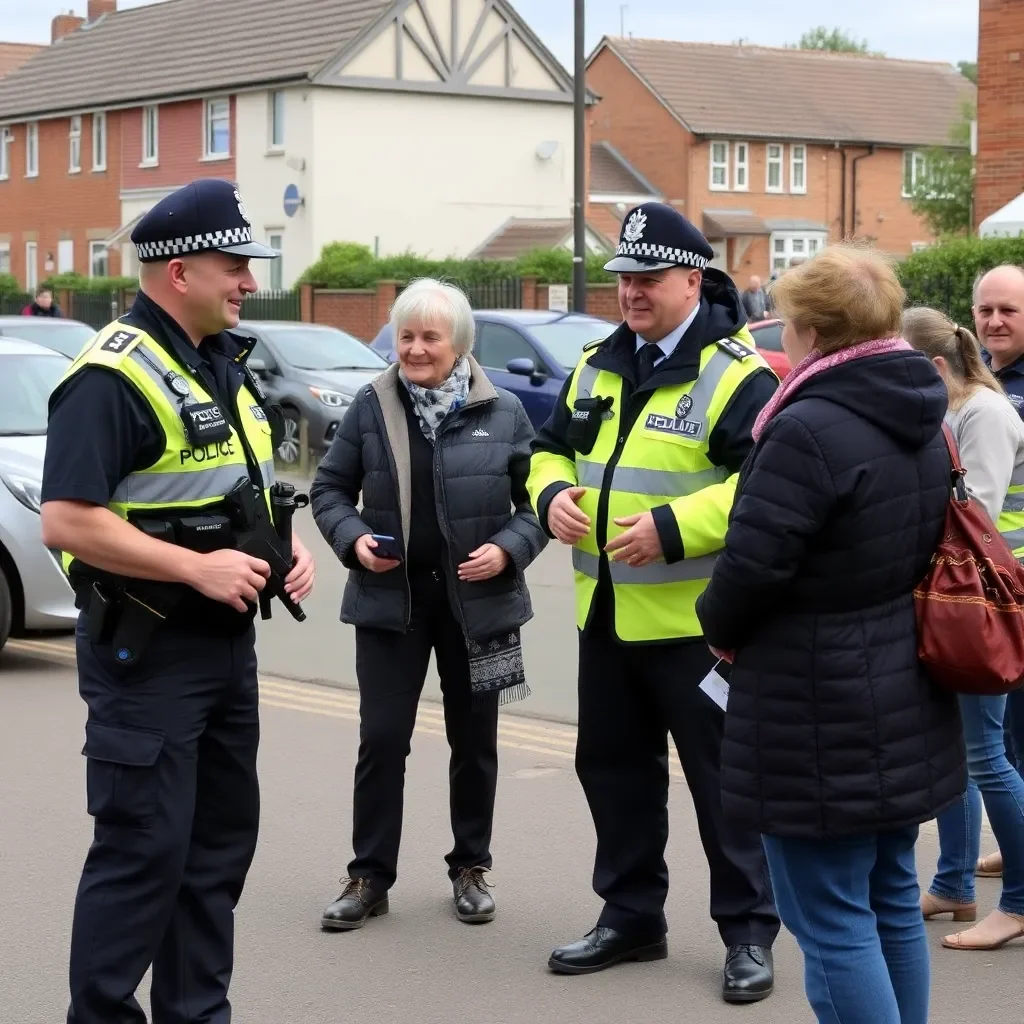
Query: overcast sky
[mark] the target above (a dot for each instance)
(944, 30)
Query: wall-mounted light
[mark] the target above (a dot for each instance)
(546, 150)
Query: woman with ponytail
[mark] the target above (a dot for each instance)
(990, 436)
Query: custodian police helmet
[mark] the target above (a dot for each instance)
(204, 216)
(655, 237)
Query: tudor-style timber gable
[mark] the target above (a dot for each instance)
(461, 47)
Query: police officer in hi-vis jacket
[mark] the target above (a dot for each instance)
(636, 469)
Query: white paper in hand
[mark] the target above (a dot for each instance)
(716, 687)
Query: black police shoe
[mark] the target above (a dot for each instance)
(604, 947)
(749, 974)
(359, 901)
(473, 903)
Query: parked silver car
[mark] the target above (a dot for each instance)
(67, 336)
(34, 592)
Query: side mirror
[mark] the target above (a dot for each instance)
(258, 367)
(526, 367)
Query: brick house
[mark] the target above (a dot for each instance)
(774, 152)
(999, 174)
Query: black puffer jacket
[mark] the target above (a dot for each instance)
(482, 460)
(833, 728)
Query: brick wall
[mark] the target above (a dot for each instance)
(1000, 161)
(360, 312)
(83, 206)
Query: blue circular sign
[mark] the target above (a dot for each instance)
(292, 200)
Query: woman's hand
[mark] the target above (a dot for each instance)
(369, 561)
(484, 563)
(299, 582)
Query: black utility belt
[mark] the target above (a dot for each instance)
(203, 532)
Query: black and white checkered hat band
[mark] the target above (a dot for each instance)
(193, 243)
(663, 253)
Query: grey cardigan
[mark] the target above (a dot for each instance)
(481, 464)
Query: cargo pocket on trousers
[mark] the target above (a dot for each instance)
(121, 774)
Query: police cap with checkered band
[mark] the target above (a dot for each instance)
(205, 216)
(655, 237)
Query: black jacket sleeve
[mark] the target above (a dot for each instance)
(784, 499)
(552, 438)
(522, 536)
(334, 494)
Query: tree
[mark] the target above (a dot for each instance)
(969, 69)
(834, 40)
(943, 194)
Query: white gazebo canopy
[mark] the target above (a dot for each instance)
(1005, 223)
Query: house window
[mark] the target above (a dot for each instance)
(75, 145)
(99, 142)
(150, 136)
(773, 178)
(32, 149)
(5, 153)
(276, 241)
(719, 166)
(794, 245)
(99, 260)
(31, 268)
(914, 170)
(5, 258)
(919, 246)
(797, 168)
(741, 167)
(66, 256)
(277, 119)
(217, 129)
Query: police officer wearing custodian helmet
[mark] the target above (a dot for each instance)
(159, 489)
(636, 468)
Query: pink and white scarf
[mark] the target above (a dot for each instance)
(815, 363)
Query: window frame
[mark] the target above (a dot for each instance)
(276, 269)
(770, 162)
(209, 121)
(94, 247)
(5, 251)
(741, 165)
(794, 161)
(918, 167)
(811, 243)
(150, 135)
(276, 121)
(6, 141)
(75, 144)
(31, 267)
(99, 141)
(715, 165)
(32, 149)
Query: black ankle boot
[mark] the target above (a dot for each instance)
(473, 903)
(359, 901)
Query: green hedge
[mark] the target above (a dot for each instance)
(943, 276)
(350, 265)
(9, 285)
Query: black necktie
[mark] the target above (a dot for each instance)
(645, 362)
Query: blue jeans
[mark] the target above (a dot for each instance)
(993, 780)
(854, 907)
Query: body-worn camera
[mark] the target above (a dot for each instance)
(585, 423)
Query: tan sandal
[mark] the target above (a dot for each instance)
(990, 866)
(933, 906)
(994, 932)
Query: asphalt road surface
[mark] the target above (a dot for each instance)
(418, 965)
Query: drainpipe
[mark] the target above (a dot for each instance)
(853, 184)
(842, 194)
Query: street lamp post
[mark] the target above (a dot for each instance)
(579, 265)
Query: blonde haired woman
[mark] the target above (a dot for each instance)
(990, 436)
(837, 744)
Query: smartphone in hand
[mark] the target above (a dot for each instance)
(387, 547)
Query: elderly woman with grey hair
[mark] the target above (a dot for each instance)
(436, 555)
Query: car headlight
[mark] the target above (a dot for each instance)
(28, 490)
(334, 399)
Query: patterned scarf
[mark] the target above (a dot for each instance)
(432, 405)
(815, 363)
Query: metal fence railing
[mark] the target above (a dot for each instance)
(97, 309)
(503, 294)
(273, 305)
(13, 303)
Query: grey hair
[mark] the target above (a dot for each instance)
(433, 302)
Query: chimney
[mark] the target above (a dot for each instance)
(97, 8)
(63, 25)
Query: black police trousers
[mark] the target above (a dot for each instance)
(391, 669)
(630, 700)
(171, 783)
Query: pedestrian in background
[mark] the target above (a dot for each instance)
(636, 469)
(440, 458)
(755, 302)
(990, 437)
(43, 304)
(837, 744)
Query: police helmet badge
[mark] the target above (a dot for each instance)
(241, 208)
(683, 407)
(634, 229)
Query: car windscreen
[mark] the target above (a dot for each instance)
(768, 337)
(67, 338)
(308, 349)
(565, 339)
(25, 385)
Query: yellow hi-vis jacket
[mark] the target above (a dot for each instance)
(186, 476)
(663, 461)
(1011, 518)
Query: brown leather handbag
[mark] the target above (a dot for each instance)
(970, 606)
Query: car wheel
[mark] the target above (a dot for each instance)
(288, 450)
(6, 609)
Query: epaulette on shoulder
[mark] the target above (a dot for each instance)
(113, 347)
(735, 348)
(593, 344)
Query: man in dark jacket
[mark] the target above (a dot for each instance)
(636, 468)
(43, 305)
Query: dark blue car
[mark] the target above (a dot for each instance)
(529, 352)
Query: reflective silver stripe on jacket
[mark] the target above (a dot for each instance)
(1017, 476)
(585, 381)
(703, 391)
(1014, 502)
(684, 571)
(174, 488)
(658, 483)
(1014, 538)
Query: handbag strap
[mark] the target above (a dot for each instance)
(957, 472)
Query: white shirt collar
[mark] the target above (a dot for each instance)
(670, 341)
